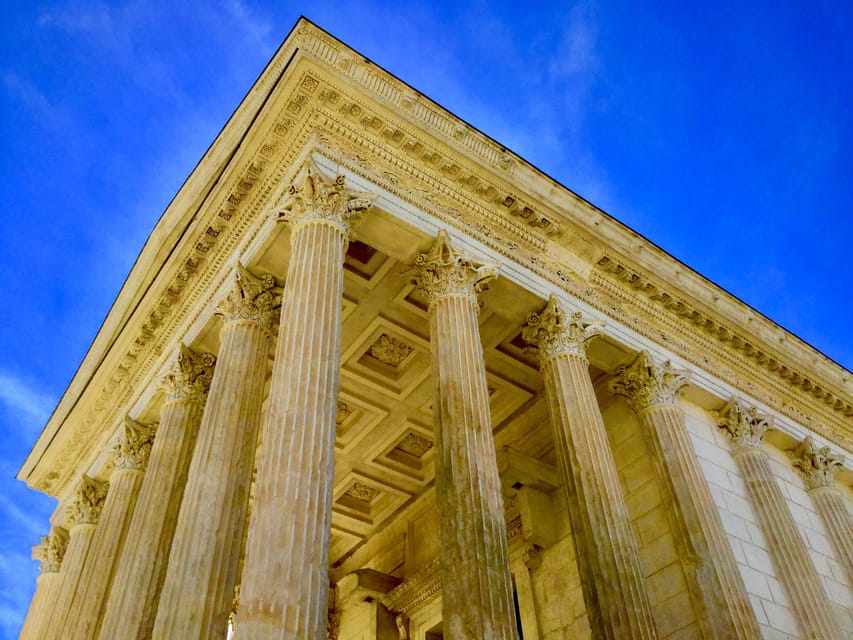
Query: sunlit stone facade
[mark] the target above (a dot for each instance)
(375, 377)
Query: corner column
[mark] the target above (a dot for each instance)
(84, 513)
(809, 600)
(285, 583)
(476, 581)
(139, 576)
(198, 590)
(111, 532)
(818, 466)
(613, 585)
(714, 581)
(50, 552)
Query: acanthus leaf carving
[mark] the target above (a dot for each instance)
(190, 375)
(555, 331)
(134, 448)
(51, 550)
(250, 297)
(443, 271)
(88, 501)
(646, 384)
(816, 464)
(744, 425)
(314, 198)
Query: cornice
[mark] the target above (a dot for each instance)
(386, 132)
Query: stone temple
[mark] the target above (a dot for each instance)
(373, 376)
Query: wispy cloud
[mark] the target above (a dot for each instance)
(30, 404)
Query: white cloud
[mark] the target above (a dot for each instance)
(32, 405)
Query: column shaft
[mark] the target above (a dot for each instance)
(716, 587)
(199, 588)
(79, 543)
(40, 607)
(607, 552)
(838, 522)
(109, 538)
(476, 582)
(785, 545)
(285, 584)
(139, 576)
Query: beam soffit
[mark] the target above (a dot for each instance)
(317, 91)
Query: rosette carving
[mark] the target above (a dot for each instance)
(250, 297)
(134, 448)
(555, 331)
(190, 375)
(744, 425)
(51, 550)
(314, 198)
(816, 464)
(88, 501)
(443, 271)
(646, 384)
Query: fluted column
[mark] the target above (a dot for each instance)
(111, 532)
(50, 552)
(809, 600)
(285, 582)
(83, 513)
(139, 575)
(476, 580)
(818, 465)
(198, 592)
(613, 584)
(716, 588)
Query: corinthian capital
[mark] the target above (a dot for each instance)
(744, 425)
(816, 464)
(190, 375)
(312, 197)
(88, 501)
(443, 271)
(134, 448)
(51, 550)
(645, 384)
(251, 298)
(555, 331)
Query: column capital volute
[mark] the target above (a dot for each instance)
(88, 500)
(313, 197)
(250, 297)
(646, 384)
(557, 331)
(744, 425)
(443, 271)
(134, 446)
(189, 376)
(816, 464)
(51, 550)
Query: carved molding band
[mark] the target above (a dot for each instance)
(252, 298)
(88, 501)
(646, 384)
(816, 464)
(313, 198)
(744, 425)
(443, 271)
(190, 375)
(555, 331)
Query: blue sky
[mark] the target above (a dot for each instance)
(721, 132)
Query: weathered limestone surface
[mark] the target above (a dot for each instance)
(809, 599)
(139, 575)
(111, 532)
(818, 466)
(285, 584)
(606, 550)
(716, 588)
(199, 587)
(50, 552)
(476, 580)
(84, 513)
